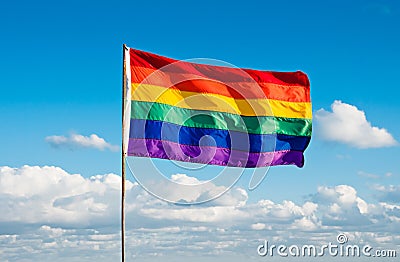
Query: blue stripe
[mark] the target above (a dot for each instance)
(255, 143)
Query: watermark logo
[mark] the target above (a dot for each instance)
(342, 238)
(339, 249)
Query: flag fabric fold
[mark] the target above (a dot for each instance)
(215, 115)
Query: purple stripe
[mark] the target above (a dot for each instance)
(211, 155)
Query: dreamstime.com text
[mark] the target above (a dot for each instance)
(339, 249)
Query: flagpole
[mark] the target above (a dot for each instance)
(123, 158)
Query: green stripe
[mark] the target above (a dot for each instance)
(220, 120)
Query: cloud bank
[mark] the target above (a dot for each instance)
(79, 141)
(49, 214)
(349, 125)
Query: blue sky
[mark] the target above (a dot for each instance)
(61, 76)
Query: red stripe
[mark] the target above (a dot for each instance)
(231, 82)
(145, 59)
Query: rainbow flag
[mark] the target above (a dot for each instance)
(215, 115)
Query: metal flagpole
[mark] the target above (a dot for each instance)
(123, 157)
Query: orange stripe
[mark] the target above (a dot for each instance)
(249, 89)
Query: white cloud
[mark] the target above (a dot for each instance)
(50, 195)
(368, 175)
(80, 141)
(304, 224)
(392, 211)
(349, 125)
(390, 193)
(389, 174)
(258, 226)
(340, 206)
(234, 197)
(49, 214)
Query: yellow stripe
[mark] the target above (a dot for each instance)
(214, 102)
